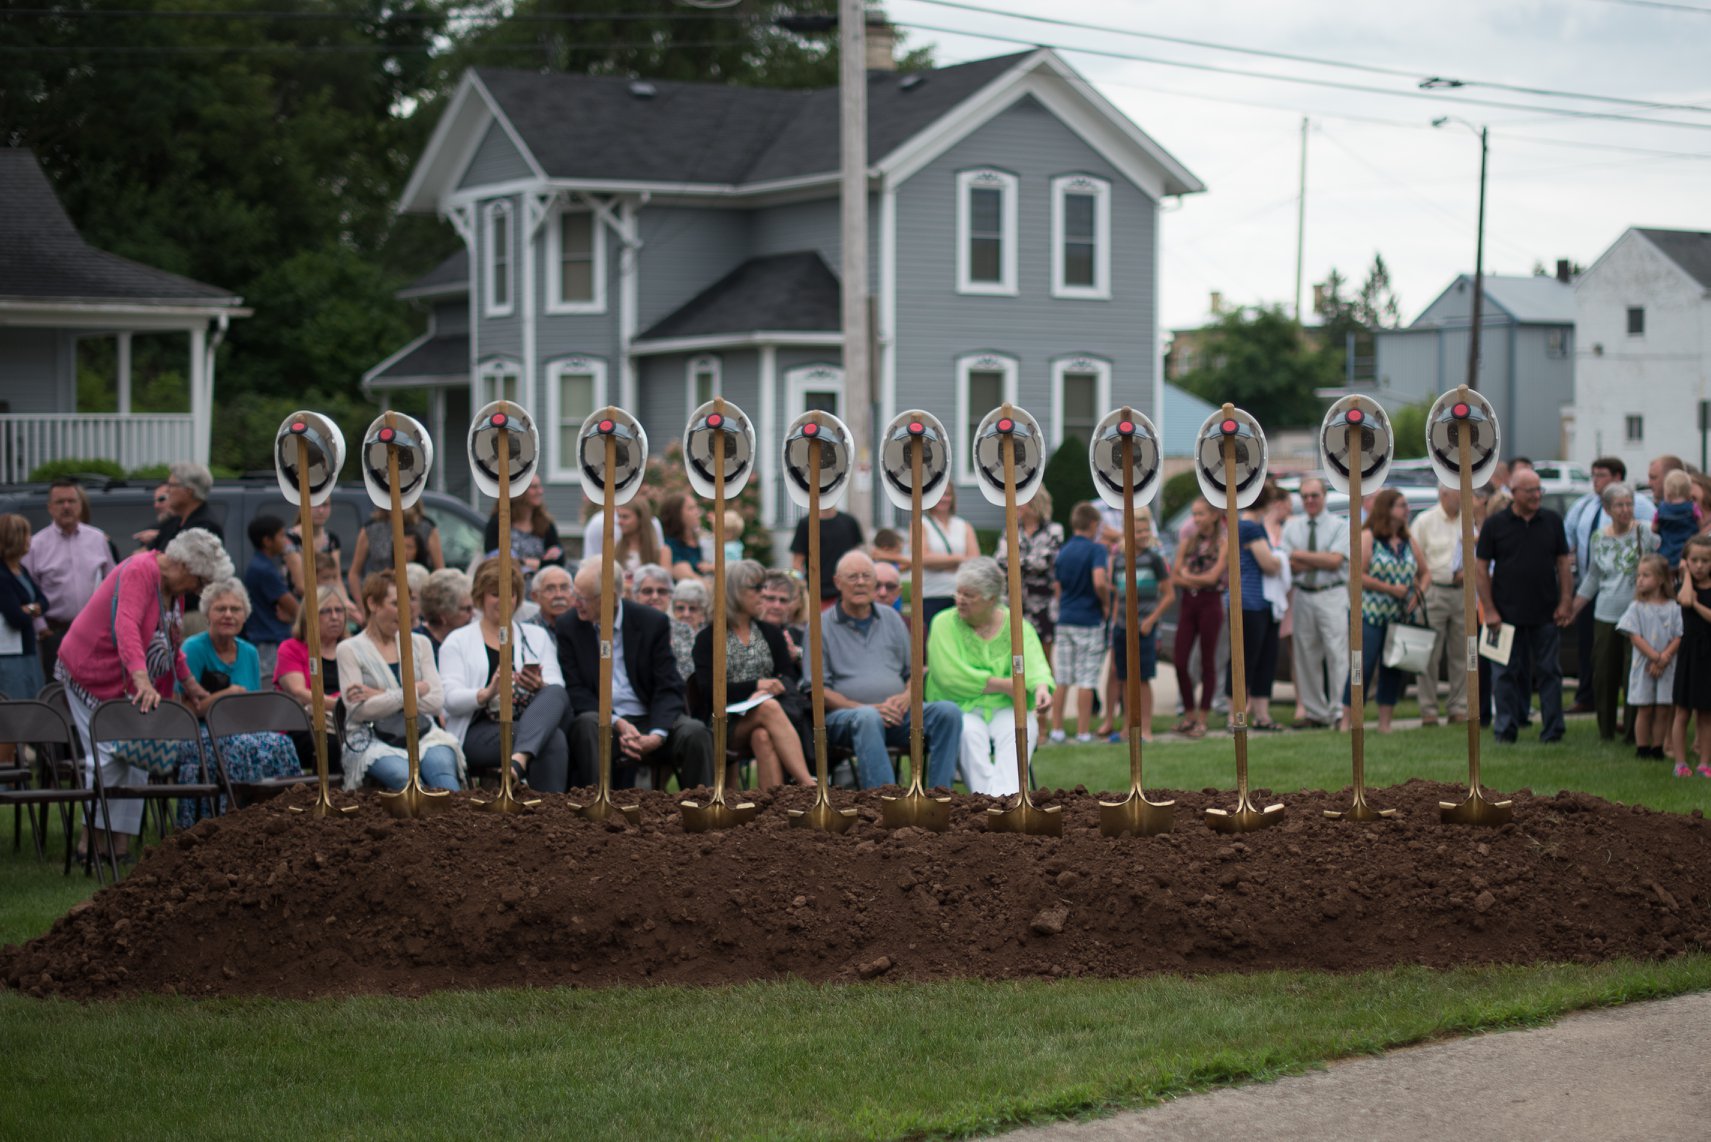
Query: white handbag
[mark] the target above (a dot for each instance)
(1407, 647)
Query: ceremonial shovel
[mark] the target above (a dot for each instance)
(716, 814)
(1025, 816)
(396, 433)
(605, 426)
(496, 422)
(1246, 816)
(821, 814)
(1460, 421)
(295, 435)
(917, 807)
(1134, 813)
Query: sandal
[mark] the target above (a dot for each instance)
(1195, 731)
(519, 773)
(1186, 726)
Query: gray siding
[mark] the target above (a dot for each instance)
(591, 334)
(451, 317)
(498, 336)
(496, 160)
(813, 226)
(1454, 304)
(663, 389)
(685, 250)
(36, 368)
(936, 325)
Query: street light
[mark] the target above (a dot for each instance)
(1479, 251)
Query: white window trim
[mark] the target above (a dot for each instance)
(1062, 187)
(978, 363)
(489, 217)
(820, 375)
(556, 304)
(708, 362)
(1080, 363)
(497, 367)
(984, 178)
(562, 469)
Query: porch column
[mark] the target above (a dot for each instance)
(125, 373)
(201, 423)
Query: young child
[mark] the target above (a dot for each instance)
(1677, 516)
(1154, 594)
(1084, 583)
(1693, 671)
(887, 546)
(733, 536)
(1652, 623)
(272, 605)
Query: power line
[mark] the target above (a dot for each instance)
(1658, 4)
(1436, 79)
(1305, 80)
(348, 49)
(448, 14)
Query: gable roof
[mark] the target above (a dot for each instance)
(44, 259)
(1689, 249)
(448, 279)
(1533, 299)
(787, 293)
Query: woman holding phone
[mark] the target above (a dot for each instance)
(469, 668)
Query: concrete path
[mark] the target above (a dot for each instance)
(1636, 1072)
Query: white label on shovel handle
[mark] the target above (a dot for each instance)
(1016, 670)
(605, 648)
(1472, 653)
(1356, 668)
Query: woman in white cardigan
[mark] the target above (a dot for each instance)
(373, 696)
(469, 664)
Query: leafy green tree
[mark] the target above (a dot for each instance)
(1068, 478)
(1259, 360)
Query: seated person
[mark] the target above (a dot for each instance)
(226, 664)
(469, 670)
(291, 675)
(648, 719)
(651, 586)
(446, 605)
(783, 603)
(969, 648)
(866, 648)
(551, 592)
(371, 687)
(688, 616)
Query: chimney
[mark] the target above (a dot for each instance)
(881, 42)
(1217, 302)
(1563, 274)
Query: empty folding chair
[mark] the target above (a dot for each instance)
(48, 731)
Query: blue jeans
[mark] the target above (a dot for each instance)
(439, 769)
(1391, 682)
(1533, 657)
(863, 730)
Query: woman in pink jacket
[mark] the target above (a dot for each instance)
(125, 643)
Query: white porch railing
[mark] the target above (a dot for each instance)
(134, 441)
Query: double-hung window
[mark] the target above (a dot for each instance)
(1081, 237)
(984, 381)
(576, 386)
(703, 377)
(499, 245)
(986, 232)
(576, 262)
(1081, 395)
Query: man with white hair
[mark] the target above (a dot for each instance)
(1317, 544)
(187, 487)
(866, 653)
(551, 592)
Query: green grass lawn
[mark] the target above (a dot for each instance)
(794, 1060)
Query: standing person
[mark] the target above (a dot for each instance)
(1259, 627)
(1437, 530)
(637, 535)
(1154, 593)
(1083, 578)
(1392, 570)
(1528, 585)
(1606, 590)
(1653, 624)
(948, 542)
(274, 606)
(1274, 586)
(534, 534)
(1580, 523)
(1038, 541)
(187, 488)
(326, 546)
(21, 609)
(1677, 519)
(1317, 544)
(1660, 467)
(67, 560)
(1199, 576)
(373, 550)
(680, 522)
(1693, 672)
(839, 535)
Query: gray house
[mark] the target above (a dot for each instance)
(649, 244)
(1526, 356)
(57, 290)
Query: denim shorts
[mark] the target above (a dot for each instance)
(1149, 654)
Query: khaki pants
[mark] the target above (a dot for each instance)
(1444, 614)
(1320, 647)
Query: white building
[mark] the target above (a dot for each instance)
(1642, 335)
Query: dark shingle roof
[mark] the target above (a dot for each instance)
(449, 278)
(1689, 249)
(593, 126)
(436, 357)
(783, 293)
(42, 256)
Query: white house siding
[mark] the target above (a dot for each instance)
(496, 160)
(36, 367)
(936, 325)
(685, 250)
(1659, 376)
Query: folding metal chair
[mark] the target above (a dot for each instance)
(117, 720)
(267, 712)
(49, 732)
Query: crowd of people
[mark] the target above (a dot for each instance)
(1629, 577)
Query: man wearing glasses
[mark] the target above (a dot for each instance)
(1317, 544)
(888, 586)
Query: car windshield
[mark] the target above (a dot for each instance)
(460, 540)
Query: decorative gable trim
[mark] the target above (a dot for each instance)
(453, 144)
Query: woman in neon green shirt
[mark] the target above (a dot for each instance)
(968, 655)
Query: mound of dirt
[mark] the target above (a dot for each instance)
(276, 903)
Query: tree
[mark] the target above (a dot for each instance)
(1259, 360)
(1068, 478)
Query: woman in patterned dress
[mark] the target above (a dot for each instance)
(1393, 568)
(1037, 541)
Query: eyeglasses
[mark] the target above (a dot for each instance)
(160, 499)
(1312, 495)
(889, 587)
(651, 592)
(859, 578)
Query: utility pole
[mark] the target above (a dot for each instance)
(1478, 274)
(858, 373)
(1301, 225)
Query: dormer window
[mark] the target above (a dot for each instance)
(986, 232)
(576, 262)
(1081, 237)
(499, 243)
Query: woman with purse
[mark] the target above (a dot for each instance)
(373, 696)
(1393, 580)
(469, 667)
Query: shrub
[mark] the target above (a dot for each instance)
(54, 469)
(1068, 478)
(1178, 491)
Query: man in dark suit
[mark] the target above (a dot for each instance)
(647, 692)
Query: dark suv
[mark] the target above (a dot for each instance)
(122, 508)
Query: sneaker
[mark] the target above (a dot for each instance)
(1705, 771)
(1083, 739)
(1116, 738)
(1681, 769)
(1057, 737)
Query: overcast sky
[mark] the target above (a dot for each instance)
(1559, 187)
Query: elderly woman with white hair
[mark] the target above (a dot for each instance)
(688, 616)
(125, 644)
(651, 586)
(225, 664)
(969, 649)
(187, 487)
